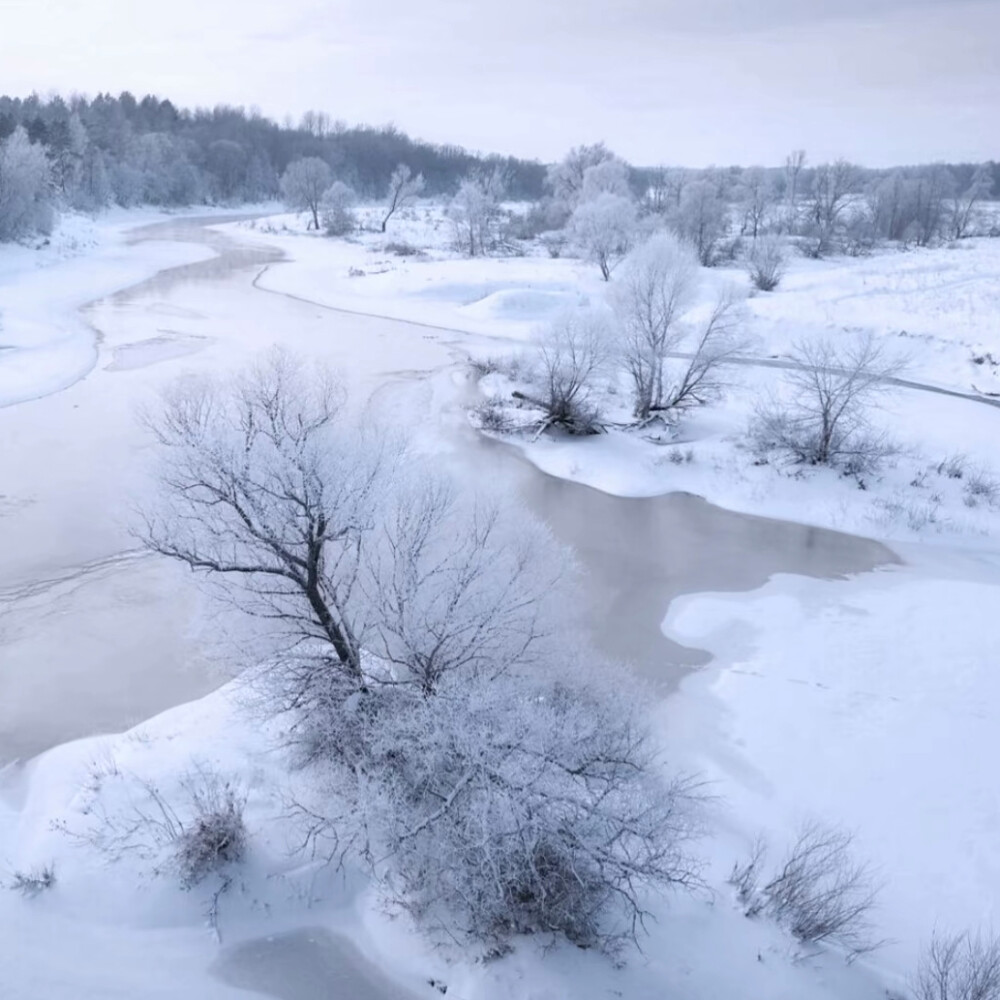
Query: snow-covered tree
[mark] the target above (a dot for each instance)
(264, 487)
(765, 262)
(574, 351)
(702, 219)
(404, 188)
(824, 417)
(604, 229)
(25, 187)
(964, 207)
(475, 214)
(565, 179)
(658, 284)
(832, 186)
(607, 177)
(757, 196)
(303, 184)
(336, 209)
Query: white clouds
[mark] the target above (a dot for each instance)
(673, 80)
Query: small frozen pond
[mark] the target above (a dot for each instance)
(309, 964)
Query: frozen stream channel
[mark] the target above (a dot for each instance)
(95, 636)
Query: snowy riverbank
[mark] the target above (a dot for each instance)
(864, 701)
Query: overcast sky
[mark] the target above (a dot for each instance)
(689, 82)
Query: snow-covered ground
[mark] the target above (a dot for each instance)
(868, 701)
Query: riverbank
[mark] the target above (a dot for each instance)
(93, 624)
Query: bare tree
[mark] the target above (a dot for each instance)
(303, 184)
(607, 177)
(960, 967)
(336, 209)
(794, 163)
(460, 586)
(765, 263)
(832, 186)
(964, 207)
(702, 219)
(934, 187)
(450, 741)
(604, 229)
(757, 196)
(699, 380)
(657, 286)
(403, 189)
(832, 389)
(565, 179)
(573, 351)
(476, 214)
(260, 487)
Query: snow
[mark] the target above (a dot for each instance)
(47, 344)
(869, 701)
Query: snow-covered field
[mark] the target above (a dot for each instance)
(869, 701)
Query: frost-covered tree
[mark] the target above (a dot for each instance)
(336, 209)
(264, 487)
(960, 967)
(606, 177)
(227, 162)
(604, 229)
(475, 214)
(565, 179)
(964, 207)
(794, 164)
(657, 286)
(831, 389)
(531, 805)
(404, 188)
(757, 196)
(832, 186)
(303, 184)
(702, 219)
(458, 603)
(573, 354)
(25, 187)
(934, 187)
(423, 669)
(765, 262)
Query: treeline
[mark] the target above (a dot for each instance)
(88, 154)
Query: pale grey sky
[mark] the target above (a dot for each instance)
(673, 81)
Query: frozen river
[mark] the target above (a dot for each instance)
(95, 635)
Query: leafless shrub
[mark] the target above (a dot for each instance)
(491, 416)
(960, 967)
(573, 351)
(981, 488)
(400, 248)
(745, 878)
(826, 418)
(555, 243)
(765, 263)
(954, 467)
(527, 807)
(201, 833)
(33, 881)
(214, 836)
(821, 893)
(510, 365)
